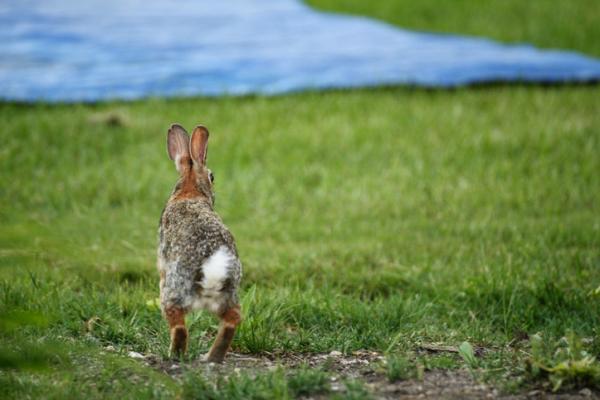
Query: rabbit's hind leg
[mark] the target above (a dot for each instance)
(230, 319)
(179, 334)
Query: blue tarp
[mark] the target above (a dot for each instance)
(68, 50)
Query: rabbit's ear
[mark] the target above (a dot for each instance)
(178, 146)
(198, 145)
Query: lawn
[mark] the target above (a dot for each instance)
(551, 24)
(387, 220)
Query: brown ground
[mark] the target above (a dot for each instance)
(368, 367)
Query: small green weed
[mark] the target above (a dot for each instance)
(468, 355)
(399, 368)
(264, 386)
(267, 385)
(355, 390)
(308, 382)
(564, 362)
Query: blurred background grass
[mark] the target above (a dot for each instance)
(545, 23)
(378, 218)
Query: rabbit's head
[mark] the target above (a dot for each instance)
(189, 155)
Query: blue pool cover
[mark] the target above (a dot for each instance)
(69, 50)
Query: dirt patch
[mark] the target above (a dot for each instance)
(368, 367)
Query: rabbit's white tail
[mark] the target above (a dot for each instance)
(216, 269)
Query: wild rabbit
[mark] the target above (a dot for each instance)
(197, 257)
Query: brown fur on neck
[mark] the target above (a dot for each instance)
(186, 187)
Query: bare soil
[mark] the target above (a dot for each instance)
(369, 367)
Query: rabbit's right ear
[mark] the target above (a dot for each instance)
(178, 147)
(198, 145)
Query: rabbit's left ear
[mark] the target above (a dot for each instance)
(178, 147)
(198, 145)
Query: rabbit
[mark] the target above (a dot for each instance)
(198, 260)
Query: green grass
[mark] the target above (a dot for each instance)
(399, 368)
(264, 386)
(366, 219)
(546, 23)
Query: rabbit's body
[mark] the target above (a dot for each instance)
(197, 258)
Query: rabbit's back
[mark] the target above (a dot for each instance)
(197, 258)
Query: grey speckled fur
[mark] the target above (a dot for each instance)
(197, 259)
(190, 232)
